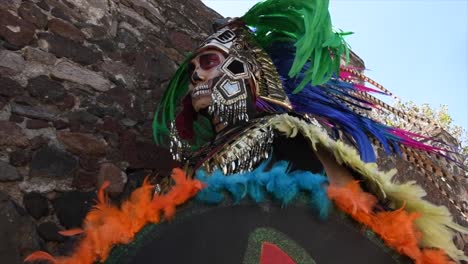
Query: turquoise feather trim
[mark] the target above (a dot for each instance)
(277, 181)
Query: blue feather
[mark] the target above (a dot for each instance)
(314, 183)
(212, 192)
(281, 184)
(329, 101)
(278, 181)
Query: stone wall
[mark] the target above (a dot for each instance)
(79, 82)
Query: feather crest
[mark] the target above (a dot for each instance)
(307, 24)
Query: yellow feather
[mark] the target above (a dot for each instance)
(436, 223)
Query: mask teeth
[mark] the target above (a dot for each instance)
(201, 89)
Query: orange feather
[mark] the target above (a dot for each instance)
(107, 225)
(71, 232)
(434, 256)
(352, 200)
(396, 228)
(40, 255)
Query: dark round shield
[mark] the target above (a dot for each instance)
(254, 233)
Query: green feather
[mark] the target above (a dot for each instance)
(165, 112)
(307, 24)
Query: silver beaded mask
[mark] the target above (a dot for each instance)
(229, 82)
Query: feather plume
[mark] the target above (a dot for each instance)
(347, 107)
(396, 228)
(306, 25)
(435, 222)
(107, 225)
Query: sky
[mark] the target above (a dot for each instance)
(417, 49)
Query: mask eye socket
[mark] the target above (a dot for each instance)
(208, 61)
(236, 67)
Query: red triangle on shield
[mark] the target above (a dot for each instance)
(272, 254)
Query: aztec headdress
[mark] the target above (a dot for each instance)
(289, 59)
(283, 60)
(285, 56)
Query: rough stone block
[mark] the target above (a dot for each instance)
(33, 112)
(52, 162)
(12, 135)
(67, 71)
(49, 231)
(12, 61)
(8, 172)
(82, 144)
(19, 236)
(66, 30)
(32, 14)
(46, 89)
(71, 207)
(63, 47)
(20, 157)
(85, 179)
(36, 205)
(15, 30)
(33, 54)
(116, 177)
(36, 124)
(9, 87)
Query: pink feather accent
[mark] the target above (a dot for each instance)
(367, 89)
(349, 76)
(406, 139)
(345, 75)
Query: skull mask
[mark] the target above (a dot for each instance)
(231, 78)
(221, 78)
(203, 70)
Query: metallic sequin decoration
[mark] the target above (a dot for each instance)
(247, 151)
(179, 148)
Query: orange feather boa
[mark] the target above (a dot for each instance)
(396, 228)
(107, 225)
